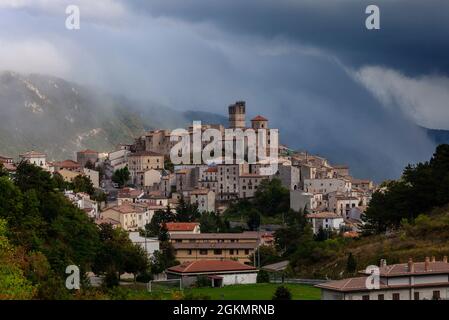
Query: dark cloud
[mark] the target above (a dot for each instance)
(413, 35)
(297, 62)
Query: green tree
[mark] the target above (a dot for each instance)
(351, 264)
(83, 184)
(160, 217)
(253, 219)
(263, 277)
(282, 293)
(186, 212)
(212, 222)
(121, 176)
(13, 284)
(271, 198)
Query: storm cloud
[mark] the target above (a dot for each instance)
(332, 86)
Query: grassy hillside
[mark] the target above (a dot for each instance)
(428, 235)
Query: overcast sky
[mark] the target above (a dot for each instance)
(332, 86)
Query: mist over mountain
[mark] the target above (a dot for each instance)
(58, 117)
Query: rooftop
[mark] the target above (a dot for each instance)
(181, 226)
(210, 266)
(259, 118)
(396, 270)
(324, 215)
(88, 151)
(145, 154)
(213, 236)
(67, 164)
(33, 154)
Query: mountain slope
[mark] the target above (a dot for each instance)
(59, 117)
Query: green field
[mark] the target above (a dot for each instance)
(260, 291)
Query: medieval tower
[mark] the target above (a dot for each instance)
(237, 115)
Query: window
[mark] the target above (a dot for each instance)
(380, 297)
(416, 295)
(396, 296)
(365, 297)
(189, 252)
(246, 251)
(436, 295)
(217, 251)
(231, 252)
(203, 252)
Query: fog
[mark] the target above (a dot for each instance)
(331, 86)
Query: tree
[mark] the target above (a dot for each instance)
(282, 293)
(186, 212)
(421, 187)
(266, 254)
(117, 254)
(3, 171)
(351, 264)
(297, 230)
(253, 219)
(83, 184)
(121, 176)
(169, 165)
(13, 284)
(89, 165)
(271, 198)
(322, 234)
(163, 258)
(263, 276)
(211, 222)
(160, 217)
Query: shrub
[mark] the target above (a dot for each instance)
(203, 281)
(263, 277)
(282, 293)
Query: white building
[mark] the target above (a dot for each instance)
(426, 280)
(290, 177)
(204, 198)
(131, 216)
(300, 200)
(327, 185)
(342, 203)
(118, 159)
(326, 221)
(94, 177)
(249, 183)
(83, 202)
(37, 158)
(220, 272)
(150, 245)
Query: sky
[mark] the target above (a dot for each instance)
(334, 88)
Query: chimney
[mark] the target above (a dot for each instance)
(445, 259)
(411, 266)
(433, 259)
(427, 264)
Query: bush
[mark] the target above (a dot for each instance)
(111, 280)
(203, 281)
(144, 277)
(263, 277)
(282, 293)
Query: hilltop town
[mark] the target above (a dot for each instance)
(228, 221)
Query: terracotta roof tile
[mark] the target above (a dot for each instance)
(210, 266)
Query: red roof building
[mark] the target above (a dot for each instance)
(219, 272)
(183, 227)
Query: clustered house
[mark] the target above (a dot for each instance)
(330, 196)
(428, 280)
